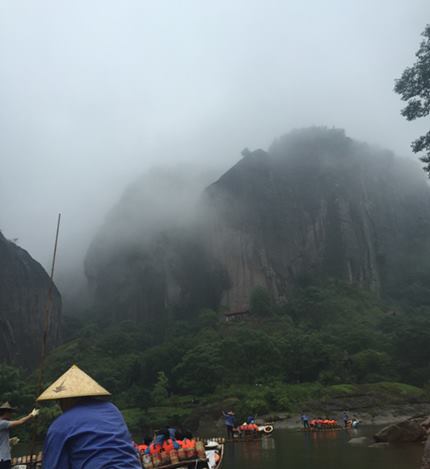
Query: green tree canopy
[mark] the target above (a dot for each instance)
(414, 87)
(160, 393)
(260, 302)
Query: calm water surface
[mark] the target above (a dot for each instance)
(289, 449)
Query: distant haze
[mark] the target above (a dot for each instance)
(93, 94)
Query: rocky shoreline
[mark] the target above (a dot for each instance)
(383, 417)
(285, 421)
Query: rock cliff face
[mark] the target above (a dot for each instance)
(148, 261)
(24, 288)
(319, 205)
(315, 205)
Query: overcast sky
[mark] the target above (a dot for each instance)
(95, 92)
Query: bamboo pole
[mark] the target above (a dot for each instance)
(45, 331)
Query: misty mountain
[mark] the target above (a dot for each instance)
(316, 205)
(319, 205)
(24, 286)
(148, 260)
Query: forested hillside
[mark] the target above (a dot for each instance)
(331, 339)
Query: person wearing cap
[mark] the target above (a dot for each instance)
(6, 423)
(91, 432)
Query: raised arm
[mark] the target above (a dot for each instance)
(16, 423)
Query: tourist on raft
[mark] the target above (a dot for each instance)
(6, 423)
(320, 423)
(249, 425)
(229, 422)
(91, 432)
(147, 440)
(162, 442)
(355, 422)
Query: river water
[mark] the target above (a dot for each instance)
(291, 449)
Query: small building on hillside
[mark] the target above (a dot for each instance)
(237, 315)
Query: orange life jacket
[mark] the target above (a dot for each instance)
(188, 444)
(168, 445)
(154, 448)
(142, 447)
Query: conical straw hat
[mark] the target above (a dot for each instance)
(74, 383)
(7, 406)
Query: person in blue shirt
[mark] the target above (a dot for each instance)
(305, 420)
(345, 418)
(229, 422)
(91, 432)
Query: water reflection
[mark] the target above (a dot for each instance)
(258, 453)
(268, 443)
(325, 450)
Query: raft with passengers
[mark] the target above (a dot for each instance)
(171, 448)
(326, 424)
(248, 430)
(91, 432)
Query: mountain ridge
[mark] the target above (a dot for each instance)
(316, 205)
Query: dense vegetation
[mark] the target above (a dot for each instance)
(280, 358)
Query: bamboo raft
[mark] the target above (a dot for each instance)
(247, 439)
(329, 429)
(35, 461)
(264, 431)
(242, 438)
(196, 463)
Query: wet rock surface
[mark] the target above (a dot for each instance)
(408, 431)
(361, 440)
(24, 286)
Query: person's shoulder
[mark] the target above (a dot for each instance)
(108, 406)
(4, 424)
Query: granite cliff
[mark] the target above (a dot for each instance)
(24, 286)
(319, 205)
(315, 205)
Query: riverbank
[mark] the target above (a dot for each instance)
(385, 417)
(284, 421)
(373, 404)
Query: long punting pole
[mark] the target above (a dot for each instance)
(46, 326)
(48, 307)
